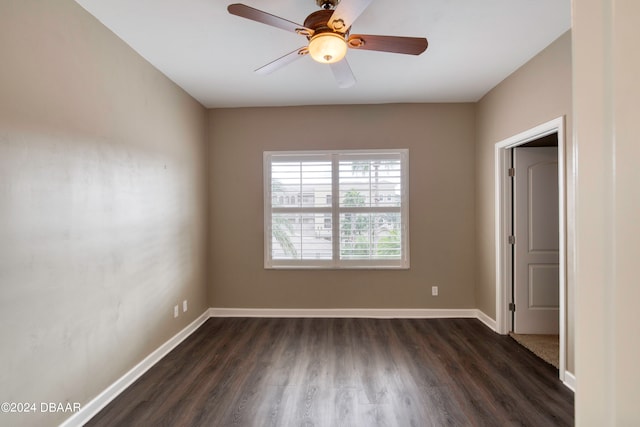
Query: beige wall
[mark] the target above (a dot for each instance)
(537, 92)
(440, 139)
(102, 206)
(607, 129)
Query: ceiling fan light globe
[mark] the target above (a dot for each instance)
(327, 48)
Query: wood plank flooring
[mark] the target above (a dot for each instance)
(344, 372)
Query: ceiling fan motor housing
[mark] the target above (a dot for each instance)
(318, 22)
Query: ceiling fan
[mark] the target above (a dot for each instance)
(328, 32)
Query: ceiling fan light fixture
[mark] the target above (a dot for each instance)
(327, 48)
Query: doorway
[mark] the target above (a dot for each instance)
(503, 227)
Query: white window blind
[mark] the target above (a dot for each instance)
(336, 209)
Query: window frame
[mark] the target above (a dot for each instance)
(335, 210)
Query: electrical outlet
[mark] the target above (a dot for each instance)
(176, 311)
(184, 306)
(434, 291)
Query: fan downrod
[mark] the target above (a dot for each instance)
(327, 4)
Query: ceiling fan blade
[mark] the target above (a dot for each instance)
(282, 61)
(346, 12)
(343, 74)
(394, 44)
(257, 15)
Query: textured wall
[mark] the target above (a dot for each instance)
(537, 92)
(102, 206)
(440, 139)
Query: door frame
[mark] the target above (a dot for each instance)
(502, 226)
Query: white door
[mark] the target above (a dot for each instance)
(536, 252)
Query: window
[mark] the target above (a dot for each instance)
(336, 209)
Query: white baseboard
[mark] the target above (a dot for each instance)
(570, 381)
(380, 313)
(96, 404)
(488, 321)
(100, 401)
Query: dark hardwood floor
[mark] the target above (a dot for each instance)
(344, 372)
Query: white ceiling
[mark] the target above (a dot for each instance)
(473, 45)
